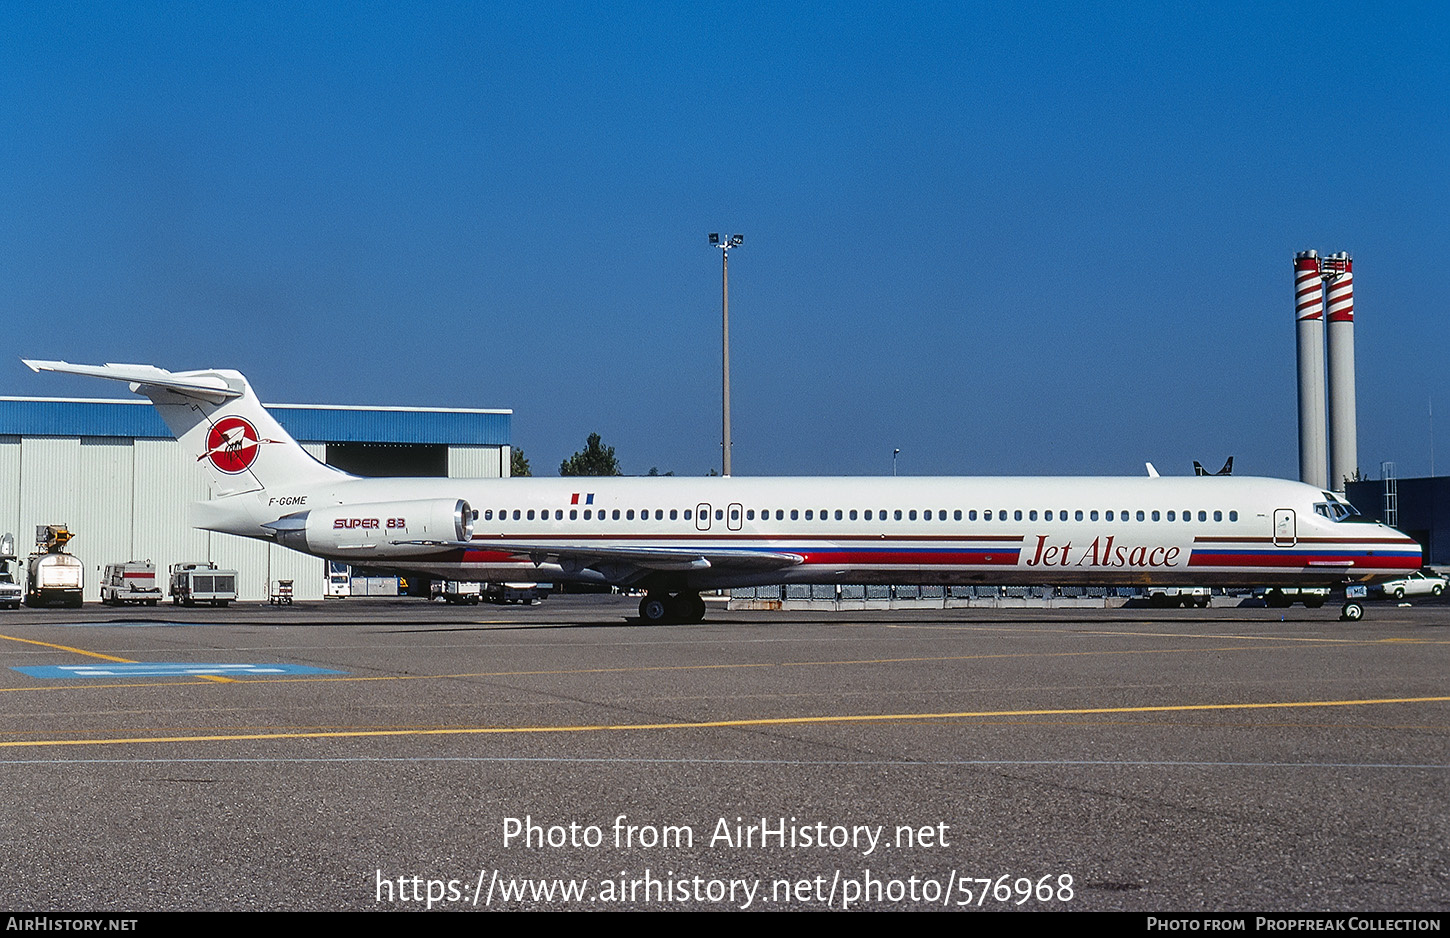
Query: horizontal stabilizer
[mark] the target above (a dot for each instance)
(203, 384)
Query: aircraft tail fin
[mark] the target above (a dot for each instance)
(1227, 470)
(218, 419)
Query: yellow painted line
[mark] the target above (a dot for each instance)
(727, 667)
(1271, 638)
(723, 724)
(95, 654)
(1192, 635)
(78, 651)
(629, 670)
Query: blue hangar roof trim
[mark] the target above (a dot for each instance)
(308, 423)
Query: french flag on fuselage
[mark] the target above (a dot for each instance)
(588, 498)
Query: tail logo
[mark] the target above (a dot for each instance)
(231, 445)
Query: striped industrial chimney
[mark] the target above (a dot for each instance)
(1337, 270)
(1309, 332)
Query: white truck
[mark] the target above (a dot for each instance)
(502, 594)
(11, 592)
(201, 582)
(51, 574)
(458, 592)
(130, 582)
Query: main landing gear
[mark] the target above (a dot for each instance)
(661, 608)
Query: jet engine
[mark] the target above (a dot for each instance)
(369, 530)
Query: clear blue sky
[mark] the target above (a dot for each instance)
(1006, 238)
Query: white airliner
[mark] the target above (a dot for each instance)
(674, 537)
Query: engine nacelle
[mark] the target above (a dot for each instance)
(369, 530)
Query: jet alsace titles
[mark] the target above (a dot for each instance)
(674, 537)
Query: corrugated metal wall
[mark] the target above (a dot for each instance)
(476, 462)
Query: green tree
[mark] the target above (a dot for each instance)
(519, 463)
(595, 459)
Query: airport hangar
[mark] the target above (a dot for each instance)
(111, 470)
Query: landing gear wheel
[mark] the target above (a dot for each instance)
(654, 609)
(692, 608)
(1353, 611)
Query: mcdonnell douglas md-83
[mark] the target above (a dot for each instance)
(673, 537)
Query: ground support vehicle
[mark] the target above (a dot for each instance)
(201, 582)
(130, 582)
(51, 574)
(502, 594)
(11, 592)
(1185, 596)
(459, 592)
(282, 594)
(1282, 597)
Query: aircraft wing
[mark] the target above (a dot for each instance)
(583, 556)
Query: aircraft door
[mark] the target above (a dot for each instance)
(702, 517)
(1285, 534)
(733, 516)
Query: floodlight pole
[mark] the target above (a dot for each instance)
(725, 244)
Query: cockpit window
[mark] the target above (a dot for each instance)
(1336, 510)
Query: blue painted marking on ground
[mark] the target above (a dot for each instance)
(168, 669)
